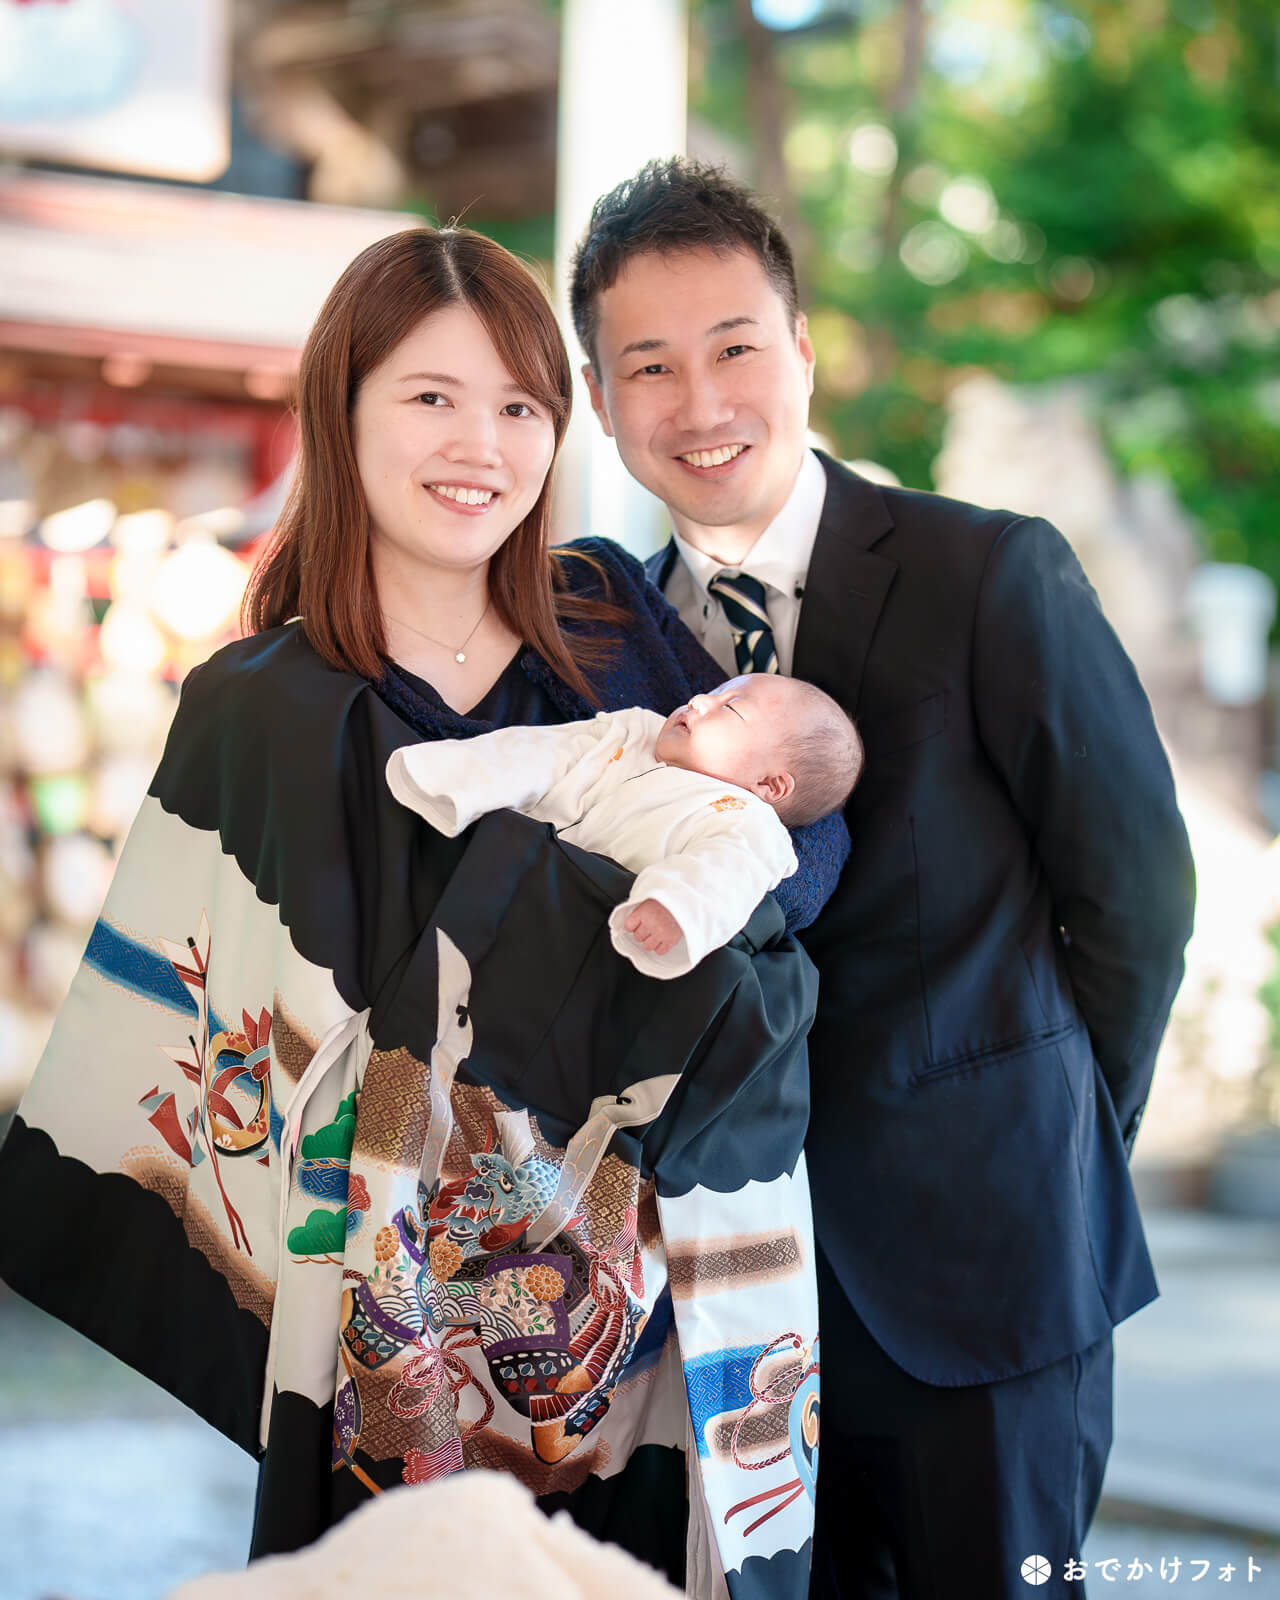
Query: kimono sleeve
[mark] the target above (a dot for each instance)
(142, 1172)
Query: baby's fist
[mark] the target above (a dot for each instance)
(653, 927)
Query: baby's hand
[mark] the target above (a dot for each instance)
(653, 927)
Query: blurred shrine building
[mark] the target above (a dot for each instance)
(179, 189)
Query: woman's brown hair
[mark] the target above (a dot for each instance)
(317, 564)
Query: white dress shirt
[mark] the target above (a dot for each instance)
(779, 559)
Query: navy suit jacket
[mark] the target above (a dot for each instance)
(998, 962)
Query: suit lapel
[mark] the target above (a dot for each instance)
(846, 586)
(659, 564)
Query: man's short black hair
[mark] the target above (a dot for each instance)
(667, 207)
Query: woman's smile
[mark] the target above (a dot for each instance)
(469, 500)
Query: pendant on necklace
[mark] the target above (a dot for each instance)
(460, 656)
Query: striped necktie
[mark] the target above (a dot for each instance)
(742, 600)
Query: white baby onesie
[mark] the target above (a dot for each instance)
(706, 850)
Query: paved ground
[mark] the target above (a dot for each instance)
(1198, 1376)
(111, 1491)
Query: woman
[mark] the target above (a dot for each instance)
(361, 1210)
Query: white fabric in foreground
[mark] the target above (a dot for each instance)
(472, 1534)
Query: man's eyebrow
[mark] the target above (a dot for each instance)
(731, 322)
(449, 379)
(641, 344)
(711, 333)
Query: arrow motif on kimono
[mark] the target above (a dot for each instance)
(226, 1067)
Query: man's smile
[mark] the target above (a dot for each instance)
(716, 463)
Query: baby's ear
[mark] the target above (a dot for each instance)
(775, 788)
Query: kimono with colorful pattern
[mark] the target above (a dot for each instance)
(366, 1145)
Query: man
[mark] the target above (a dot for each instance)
(998, 963)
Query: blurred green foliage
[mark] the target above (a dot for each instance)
(1267, 1083)
(1085, 188)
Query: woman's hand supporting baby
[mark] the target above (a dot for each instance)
(653, 927)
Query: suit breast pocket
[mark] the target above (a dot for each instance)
(902, 727)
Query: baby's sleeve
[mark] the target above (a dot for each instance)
(733, 852)
(452, 782)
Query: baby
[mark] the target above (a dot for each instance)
(697, 805)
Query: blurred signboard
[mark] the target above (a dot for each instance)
(131, 85)
(98, 266)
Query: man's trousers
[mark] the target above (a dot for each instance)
(933, 1493)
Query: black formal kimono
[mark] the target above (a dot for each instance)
(365, 1144)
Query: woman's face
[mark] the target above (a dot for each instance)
(451, 452)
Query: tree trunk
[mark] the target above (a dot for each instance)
(767, 97)
(901, 99)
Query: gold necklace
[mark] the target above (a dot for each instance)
(460, 654)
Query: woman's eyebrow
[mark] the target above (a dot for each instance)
(432, 377)
(457, 383)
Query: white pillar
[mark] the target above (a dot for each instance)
(1232, 609)
(623, 95)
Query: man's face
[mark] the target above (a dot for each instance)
(705, 386)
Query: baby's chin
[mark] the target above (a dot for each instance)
(669, 749)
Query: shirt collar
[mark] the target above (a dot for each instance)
(780, 556)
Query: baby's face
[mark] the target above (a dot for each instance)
(734, 733)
